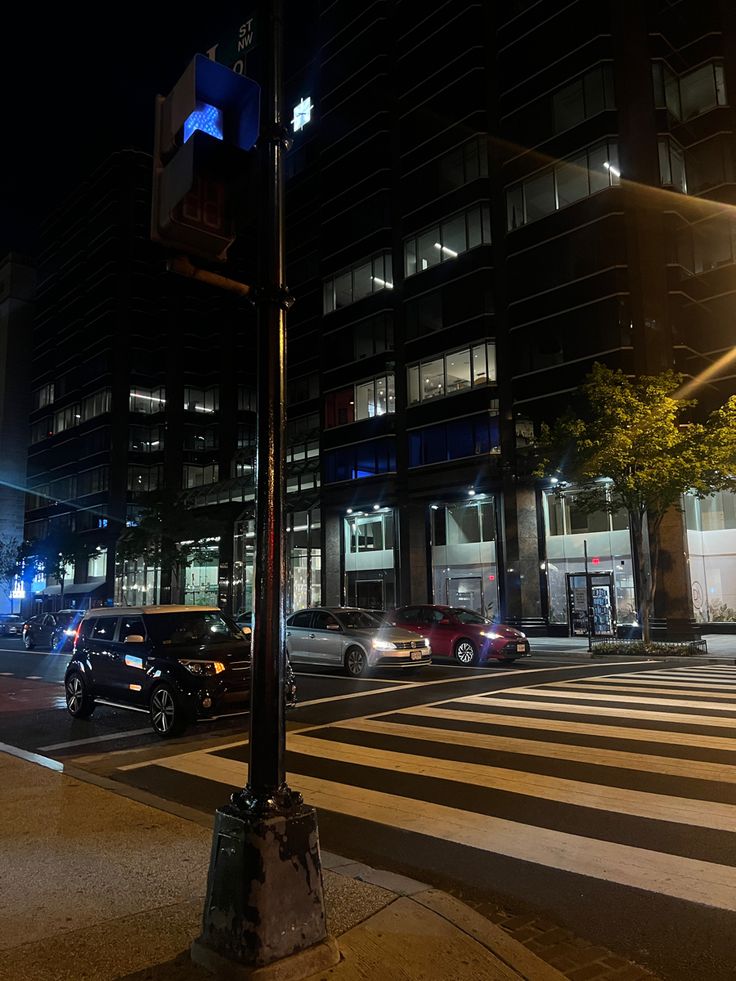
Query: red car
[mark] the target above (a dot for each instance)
(463, 634)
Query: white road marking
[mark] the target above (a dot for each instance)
(694, 881)
(96, 739)
(344, 677)
(643, 762)
(578, 727)
(538, 705)
(625, 689)
(541, 695)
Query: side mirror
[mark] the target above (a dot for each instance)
(135, 639)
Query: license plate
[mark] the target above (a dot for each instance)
(521, 648)
(416, 655)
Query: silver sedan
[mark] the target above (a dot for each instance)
(352, 639)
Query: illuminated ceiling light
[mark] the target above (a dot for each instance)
(435, 507)
(382, 282)
(302, 114)
(445, 249)
(553, 480)
(376, 507)
(472, 492)
(350, 510)
(614, 170)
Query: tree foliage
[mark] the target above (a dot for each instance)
(636, 447)
(168, 535)
(9, 563)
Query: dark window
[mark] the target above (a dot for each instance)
(408, 615)
(340, 407)
(87, 627)
(302, 619)
(104, 628)
(472, 436)
(130, 626)
(324, 621)
(361, 460)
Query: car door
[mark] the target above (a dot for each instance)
(408, 618)
(298, 628)
(100, 650)
(44, 630)
(325, 639)
(127, 665)
(438, 627)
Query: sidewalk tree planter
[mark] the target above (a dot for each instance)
(636, 446)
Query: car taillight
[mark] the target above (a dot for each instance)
(76, 634)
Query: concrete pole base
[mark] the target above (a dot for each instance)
(265, 904)
(305, 964)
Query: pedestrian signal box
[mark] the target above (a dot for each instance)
(205, 129)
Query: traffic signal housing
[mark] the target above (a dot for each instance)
(205, 129)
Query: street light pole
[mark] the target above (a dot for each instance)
(264, 897)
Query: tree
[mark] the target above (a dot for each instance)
(635, 447)
(9, 565)
(168, 536)
(54, 554)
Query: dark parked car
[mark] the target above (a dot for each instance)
(56, 631)
(10, 625)
(463, 634)
(180, 663)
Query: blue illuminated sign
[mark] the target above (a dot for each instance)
(206, 118)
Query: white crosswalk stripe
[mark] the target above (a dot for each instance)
(518, 772)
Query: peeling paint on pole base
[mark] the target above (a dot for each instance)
(264, 888)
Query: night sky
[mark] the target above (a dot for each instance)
(77, 90)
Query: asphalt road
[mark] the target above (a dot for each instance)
(598, 794)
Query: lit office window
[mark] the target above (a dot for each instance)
(448, 239)
(358, 281)
(692, 93)
(452, 372)
(147, 400)
(373, 397)
(671, 164)
(555, 187)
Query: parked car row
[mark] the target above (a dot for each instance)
(181, 663)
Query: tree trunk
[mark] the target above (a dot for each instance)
(641, 570)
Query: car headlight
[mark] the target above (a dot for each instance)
(69, 633)
(383, 645)
(491, 635)
(207, 668)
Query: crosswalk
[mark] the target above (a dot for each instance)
(626, 778)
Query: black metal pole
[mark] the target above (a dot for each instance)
(265, 900)
(267, 715)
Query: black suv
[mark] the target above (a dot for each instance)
(53, 630)
(178, 662)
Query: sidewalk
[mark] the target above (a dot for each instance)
(97, 886)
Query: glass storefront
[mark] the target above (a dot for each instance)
(369, 560)
(304, 561)
(138, 584)
(463, 542)
(568, 530)
(711, 539)
(201, 577)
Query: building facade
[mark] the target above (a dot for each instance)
(483, 200)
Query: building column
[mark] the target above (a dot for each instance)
(522, 601)
(412, 555)
(673, 600)
(332, 576)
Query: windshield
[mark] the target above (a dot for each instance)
(207, 628)
(468, 616)
(359, 620)
(65, 618)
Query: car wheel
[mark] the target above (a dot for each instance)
(167, 715)
(465, 652)
(28, 642)
(79, 702)
(355, 662)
